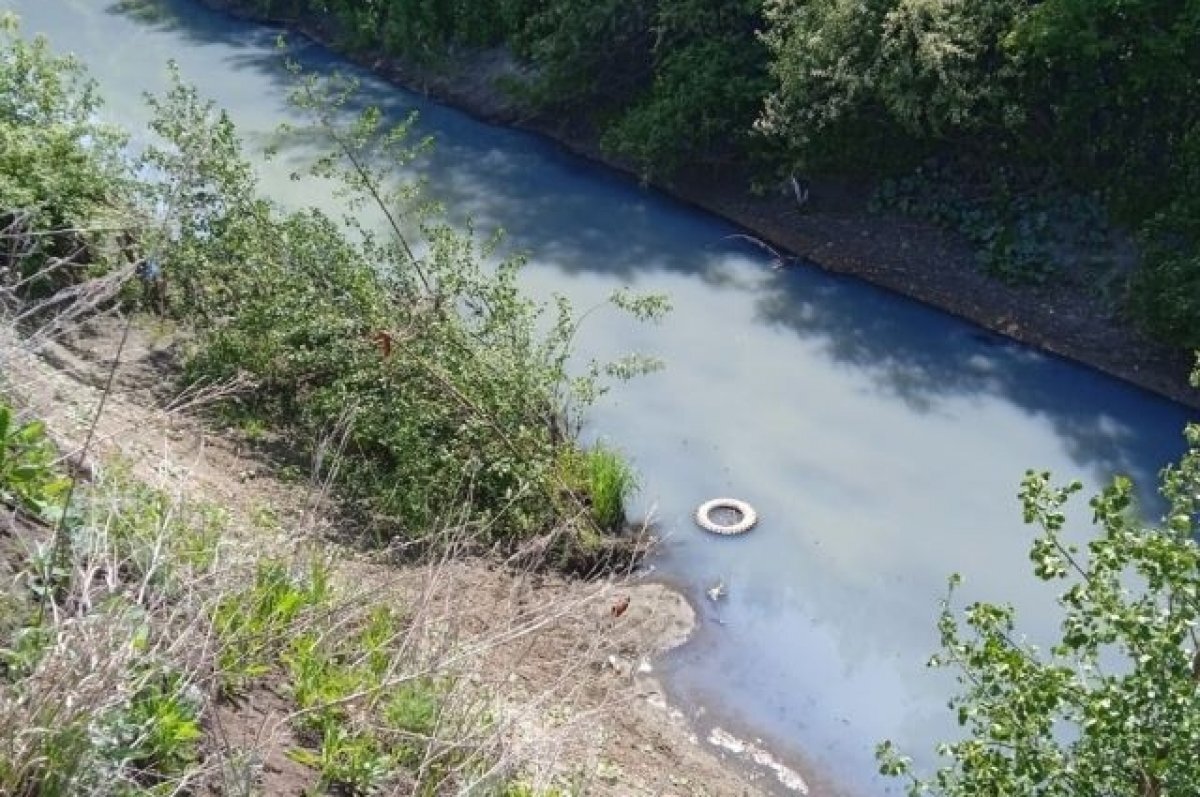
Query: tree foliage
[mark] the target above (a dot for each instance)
(1096, 97)
(421, 28)
(708, 81)
(1112, 707)
(1111, 88)
(59, 168)
(447, 394)
(929, 68)
(669, 82)
(1166, 290)
(1108, 87)
(409, 346)
(1101, 93)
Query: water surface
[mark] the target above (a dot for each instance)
(881, 441)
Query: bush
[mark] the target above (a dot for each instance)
(59, 168)
(429, 370)
(27, 475)
(1026, 228)
(1165, 292)
(1100, 96)
(1165, 295)
(1109, 89)
(1110, 706)
(700, 107)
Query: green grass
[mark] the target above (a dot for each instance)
(256, 624)
(602, 479)
(610, 481)
(96, 696)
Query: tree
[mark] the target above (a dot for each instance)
(850, 75)
(1112, 708)
(451, 393)
(709, 80)
(59, 167)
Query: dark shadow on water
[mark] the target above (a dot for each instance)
(921, 357)
(584, 219)
(193, 23)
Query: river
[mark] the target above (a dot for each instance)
(881, 441)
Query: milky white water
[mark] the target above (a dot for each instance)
(881, 441)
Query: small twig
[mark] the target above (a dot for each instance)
(780, 260)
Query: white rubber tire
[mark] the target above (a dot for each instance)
(704, 516)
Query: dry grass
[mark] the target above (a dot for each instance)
(112, 670)
(135, 603)
(486, 675)
(113, 675)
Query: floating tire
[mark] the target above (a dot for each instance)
(748, 516)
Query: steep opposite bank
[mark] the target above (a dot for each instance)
(833, 231)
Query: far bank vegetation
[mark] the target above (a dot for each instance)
(1039, 130)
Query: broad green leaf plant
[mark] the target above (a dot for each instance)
(28, 476)
(1113, 707)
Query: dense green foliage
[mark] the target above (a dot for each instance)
(1092, 97)
(1166, 293)
(1024, 231)
(672, 82)
(669, 82)
(1100, 94)
(393, 346)
(415, 27)
(58, 167)
(426, 370)
(1105, 89)
(1112, 706)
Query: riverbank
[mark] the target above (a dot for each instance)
(833, 231)
(571, 680)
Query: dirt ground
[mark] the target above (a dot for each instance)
(570, 662)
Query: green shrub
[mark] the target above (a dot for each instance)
(1165, 291)
(1105, 703)
(431, 369)
(1027, 228)
(1110, 89)
(59, 168)
(28, 476)
(1165, 294)
(700, 107)
(1101, 93)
